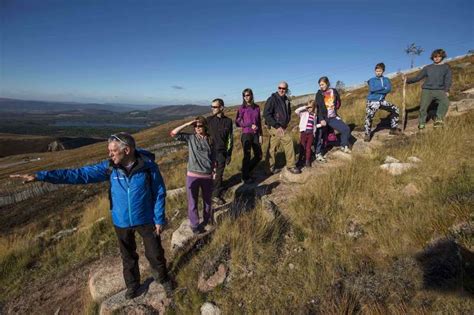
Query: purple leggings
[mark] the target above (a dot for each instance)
(192, 188)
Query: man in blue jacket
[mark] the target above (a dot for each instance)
(137, 201)
(379, 87)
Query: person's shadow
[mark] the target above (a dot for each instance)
(447, 267)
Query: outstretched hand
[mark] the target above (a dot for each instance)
(27, 178)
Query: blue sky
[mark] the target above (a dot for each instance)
(176, 52)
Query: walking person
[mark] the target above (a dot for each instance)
(307, 127)
(137, 196)
(221, 132)
(328, 102)
(438, 80)
(379, 87)
(199, 171)
(277, 114)
(249, 120)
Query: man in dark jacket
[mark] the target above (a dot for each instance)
(277, 114)
(221, 131)
(137, 201)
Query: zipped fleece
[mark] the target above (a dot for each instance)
(132, 201)
(277, 111)
(379, 87)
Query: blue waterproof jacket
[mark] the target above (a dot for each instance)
(379, 87)
(135, 199)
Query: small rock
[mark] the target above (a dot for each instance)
(175, 192)
(206, 285)
(391, 159)
(414, 159)
(354, 229)
(463, 229)
(468, 93)
(210, 309)
(410, 190)
(397, 168)
(63, 233)
(291, 266)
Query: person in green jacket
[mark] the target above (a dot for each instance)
(435, 88)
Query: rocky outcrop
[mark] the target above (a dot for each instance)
(151, 299)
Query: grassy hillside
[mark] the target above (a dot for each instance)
(331, 273)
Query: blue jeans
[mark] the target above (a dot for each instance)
(339, 125)
(319, 140)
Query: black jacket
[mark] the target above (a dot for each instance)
(277, 111)
(321, 109)
(221, 132)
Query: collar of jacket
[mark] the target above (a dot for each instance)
(253, 106)
(141, 163)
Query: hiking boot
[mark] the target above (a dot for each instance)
(320, 158)
(367, 138)
(294, 170)
(248, 181)
(395, 132)
(197, 230)
(218, 201)
(438, 123)
(421, 126)
(131, 293)
(346, 149)
(307, 164)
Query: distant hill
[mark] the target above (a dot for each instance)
(180, 110)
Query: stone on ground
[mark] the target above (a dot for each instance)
(465, 105)
(397, 168)
(206, 285)
(414, 159)
(152, 299)
(410, 190)
(107, 279)
(339, 155)
(182, 235)
(391, 159)
(210, 309)
(288, 177)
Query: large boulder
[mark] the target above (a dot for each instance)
(107, 279)
(152, 299)
(288, 177)
(182, 235)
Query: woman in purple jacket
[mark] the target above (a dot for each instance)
(248, 118)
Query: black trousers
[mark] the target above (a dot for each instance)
(218, 185)
(153, 251)
(250, 143)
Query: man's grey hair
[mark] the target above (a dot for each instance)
(123, 139)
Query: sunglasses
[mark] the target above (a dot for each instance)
(247, 95)
(199, 126)
(117, 138)
(282, 88)
(215, 106)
